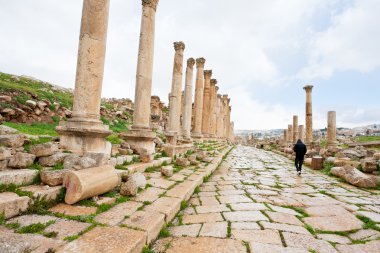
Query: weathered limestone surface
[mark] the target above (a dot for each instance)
(206, 103)
(295, 129)
(186, 125)
(140, 137)
(84, 132)
(90, 182)
(176, 91)
(18, 177)
(213, 90)
(11, 204)
(354, 176)
(198, 101)
(108, 239)
(309, 114)
(331, 129)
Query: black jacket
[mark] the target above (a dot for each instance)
(300, 149)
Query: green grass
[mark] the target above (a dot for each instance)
(197, 190)
(184, 204)
(34, 228)
(146, 249)
(368, 223)
(114, 139)
(26, 87)
(58, 166)
(327, 168)
(34, 128)
(164, 232)
(367, 138)
(40, 140)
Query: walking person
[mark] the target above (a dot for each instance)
(300, 150)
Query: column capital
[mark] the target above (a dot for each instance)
(216, 88)
(200, 62)
(308, 88)
(218, 95)
(150, 3)
(214, 81)
(179, 46)
(207, 73)
(190, 62)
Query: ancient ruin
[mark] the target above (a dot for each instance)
(82, 173)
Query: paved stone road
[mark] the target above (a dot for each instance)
(255, 202)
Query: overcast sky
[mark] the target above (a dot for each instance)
(261, 51)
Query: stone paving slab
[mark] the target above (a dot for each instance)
(73, 210)
(118, 213)
(200, 244)
(185, 230)
(26, 220)
(151, 222)
(214, 229)
(245, 216)
(65, 228)
(107, 239)
(261, 236)
(335, 223)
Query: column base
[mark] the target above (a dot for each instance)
(197, 137)
(82, 137)
(141, 141)
(173, 150)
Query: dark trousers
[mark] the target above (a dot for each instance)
(298, 163)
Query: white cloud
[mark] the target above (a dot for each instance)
(246, 43)
(351, 43)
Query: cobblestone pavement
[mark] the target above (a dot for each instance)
(255, 202)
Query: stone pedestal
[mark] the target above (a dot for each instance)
(309, 115)
(198, 101)
(177, 149)
(84, 132)
(331, 129)
(140, 137)
(295, 129)
(317, 163)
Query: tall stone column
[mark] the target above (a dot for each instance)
(309, 115)
(229, 108)
(301, 132)
(187, 109)
(213, 90)
(331, 129)
(225, 115)
(141, 137)
(174, 125)
(206, 103)
(285, 140)
(290, 134)
(219, 118)
(84, 132)
(295, 129)
(198, 100)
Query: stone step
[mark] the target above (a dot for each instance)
(18, 177)
(11, 204)
(49, 193)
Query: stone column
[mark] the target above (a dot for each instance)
(141, 137)
(331, 129)
(187, 109)
(285, 140)
(225, 115)
(213, 90)
(290, 134)
(174, 126)
(309, 115)
(84, 132)
(301, 132)
(295, 129)
(229, 108)
(219, 118)
(206, 103)
(198, 100)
